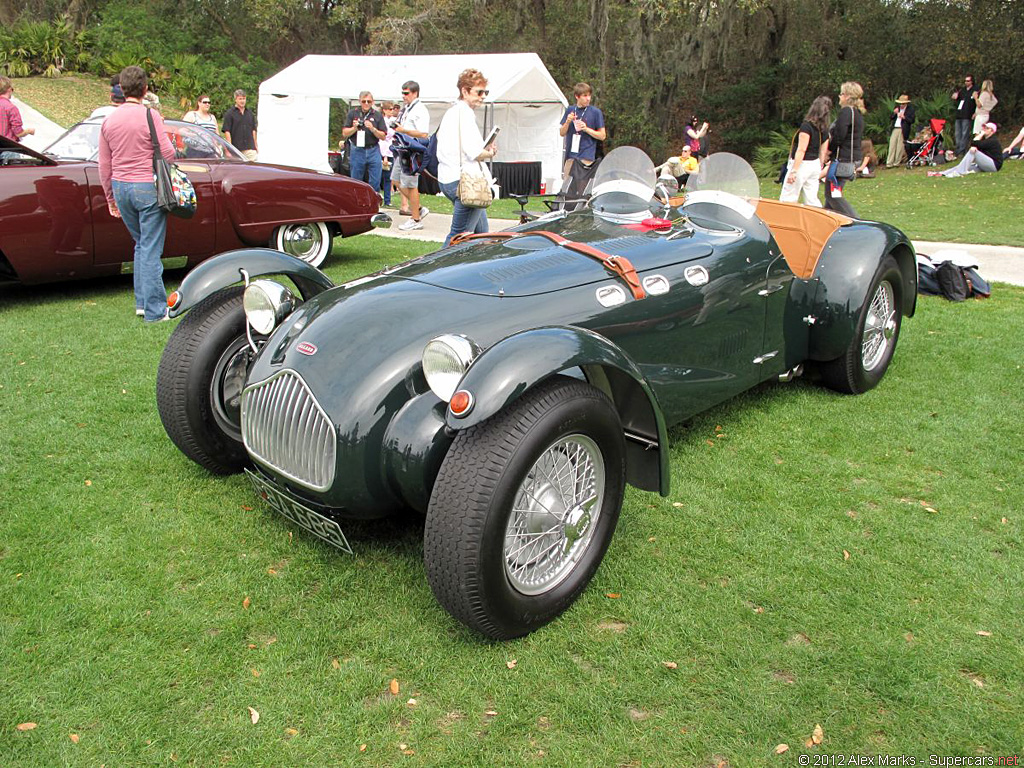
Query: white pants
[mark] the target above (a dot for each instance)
(805, 185)
(972, 161)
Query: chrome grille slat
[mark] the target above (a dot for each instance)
(284, 427)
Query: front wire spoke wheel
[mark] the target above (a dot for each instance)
(554, 514)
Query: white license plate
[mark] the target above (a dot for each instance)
(308, 519)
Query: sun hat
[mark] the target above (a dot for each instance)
(903, 99)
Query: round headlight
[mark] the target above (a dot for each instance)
(445, 359)
(266, 304)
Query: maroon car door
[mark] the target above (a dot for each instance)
(44, 221)
(188, 240)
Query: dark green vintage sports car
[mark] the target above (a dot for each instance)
(509, 386)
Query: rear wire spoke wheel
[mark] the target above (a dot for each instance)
(524, 508)
(870, 351)
(310, 242)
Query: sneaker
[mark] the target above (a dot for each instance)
(165, 318)
(423, 212)
(410, 225)
(139, 312)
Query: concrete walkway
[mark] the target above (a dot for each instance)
(996, 263)
(47, 131)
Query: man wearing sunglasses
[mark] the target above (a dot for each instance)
(364, 128)
(413, 121)
(582, 126)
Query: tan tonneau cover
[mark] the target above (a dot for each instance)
(801, 232)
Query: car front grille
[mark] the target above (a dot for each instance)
(284, 427)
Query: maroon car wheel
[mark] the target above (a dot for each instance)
(310, 242)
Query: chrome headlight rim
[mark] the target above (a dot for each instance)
(266, 304)
(445, 360)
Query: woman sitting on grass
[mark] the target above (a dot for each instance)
(984, 156)
(1016, 148)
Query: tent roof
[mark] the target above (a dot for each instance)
(513, 77)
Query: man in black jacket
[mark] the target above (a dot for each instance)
(964, 105)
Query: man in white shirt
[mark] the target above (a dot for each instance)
(413, 121)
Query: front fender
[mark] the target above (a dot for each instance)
(844, 275)
(223, 270)
(519, 362)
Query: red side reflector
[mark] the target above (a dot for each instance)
(461, 403)
(173, 300)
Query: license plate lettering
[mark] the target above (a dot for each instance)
(309, 520)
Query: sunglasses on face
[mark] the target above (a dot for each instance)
(366, 101)
(205, 101)
(481, 91)
(406, 93)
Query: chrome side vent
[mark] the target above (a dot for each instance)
(284, 427)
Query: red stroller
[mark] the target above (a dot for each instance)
(926, 148)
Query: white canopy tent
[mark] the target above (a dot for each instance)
(524, 101)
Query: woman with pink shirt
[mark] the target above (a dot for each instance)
(126, 172)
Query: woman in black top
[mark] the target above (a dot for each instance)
(985, 155)
(844, 144)
(804, 172)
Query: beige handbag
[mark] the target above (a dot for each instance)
(474, 190)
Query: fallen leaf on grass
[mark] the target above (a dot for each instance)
(799, 639)
(362, 747)
(88, 482)
(511, 664)
(613, 595)
(271, 571)
(393, 687)
(818, 734)
(246, 508)
(335, 663)
(26, 727)
(677, 504)
(411, 702)
(491, 713)
(932, 510)
(255, 673)
(974, 677)
(846, 555)
(73, 737)
(983, 633)
(254, 715)
(909, 637)
(1004, 521)
(670, 664)
(246, 603)
(710, 442)
(636, 715)
(289, 732)
(779, 749)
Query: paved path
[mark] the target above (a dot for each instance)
(47, 131)
(996, 263)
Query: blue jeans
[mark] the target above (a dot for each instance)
(147, 223)
(365, 165)
(963, 135)
(464, 218)
(385, 182)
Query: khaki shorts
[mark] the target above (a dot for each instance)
(405, 181)
(250, 155)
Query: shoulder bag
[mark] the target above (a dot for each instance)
(474, 190)
(844, 169)
(174, 192)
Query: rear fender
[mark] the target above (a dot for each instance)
(226, 269)
(518, 363)
(844, 275)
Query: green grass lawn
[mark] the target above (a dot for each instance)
(852, 562)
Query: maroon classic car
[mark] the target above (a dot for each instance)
(54, 222)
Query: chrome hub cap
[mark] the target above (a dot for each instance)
(554, 514)
(301, 241)
(879, 327)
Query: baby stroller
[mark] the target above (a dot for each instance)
(926, 148)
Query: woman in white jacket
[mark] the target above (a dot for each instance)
(460, 145)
